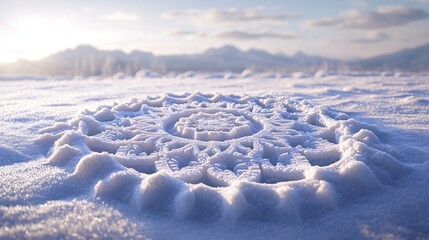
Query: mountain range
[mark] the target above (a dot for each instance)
(86, 60)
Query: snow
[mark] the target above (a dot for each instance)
(204, 156)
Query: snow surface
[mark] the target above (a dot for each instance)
(207, 156)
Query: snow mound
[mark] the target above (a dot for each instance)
(212, 156)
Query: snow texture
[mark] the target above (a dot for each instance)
(214, 156)
(302, 156)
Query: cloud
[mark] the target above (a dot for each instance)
(122, 16)
(243, 35)
(228, 15)
(234, 34)
(359, 3)
(186, 34)
(383, 17)
(179, 33)
(372, 37)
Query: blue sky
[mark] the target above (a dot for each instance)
(344, 29)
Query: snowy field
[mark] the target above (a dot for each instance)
(325, 156)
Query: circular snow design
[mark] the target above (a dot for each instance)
(223, 156)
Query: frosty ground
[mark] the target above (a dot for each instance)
(365, 178)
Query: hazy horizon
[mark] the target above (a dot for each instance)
(338, 29)
(205, 50)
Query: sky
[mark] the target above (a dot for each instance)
(342, 29)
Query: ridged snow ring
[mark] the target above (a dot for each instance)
(211, 124)
(208, 156)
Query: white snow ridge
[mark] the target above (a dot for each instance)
(218, 157)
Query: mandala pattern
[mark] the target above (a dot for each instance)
(223, 156)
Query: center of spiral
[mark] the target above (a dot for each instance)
(211, 124)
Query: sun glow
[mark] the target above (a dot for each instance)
(33, 37)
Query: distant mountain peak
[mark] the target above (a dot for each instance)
(85, 47)
(224, 49)
(300, 54)
(87, 60)
(409, 59)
